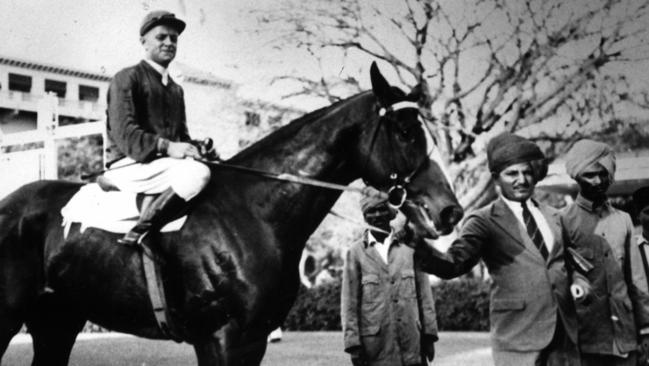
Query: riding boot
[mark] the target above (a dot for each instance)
(161, 211)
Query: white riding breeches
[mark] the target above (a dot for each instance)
(186, 177)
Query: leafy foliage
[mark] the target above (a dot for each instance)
(81, 155)
(317, 308)
(461, 305)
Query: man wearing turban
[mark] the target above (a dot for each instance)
(532, 315)
(616, 316)
(387, 307)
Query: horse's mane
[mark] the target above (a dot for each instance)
(291, 128)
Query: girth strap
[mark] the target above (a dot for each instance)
(156, 291)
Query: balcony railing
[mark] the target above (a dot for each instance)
(29, 102)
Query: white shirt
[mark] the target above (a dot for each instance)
(541, 222)
(163, 71)
(382, 247)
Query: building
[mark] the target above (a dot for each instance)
(81, 95)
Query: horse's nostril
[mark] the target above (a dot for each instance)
(451, 215)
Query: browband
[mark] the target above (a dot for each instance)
(397, 106)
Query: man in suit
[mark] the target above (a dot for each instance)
(387, 306)
(519, 239)
(616, 316)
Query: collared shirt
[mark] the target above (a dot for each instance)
(163, 71)
(541, 222)
(382, 247)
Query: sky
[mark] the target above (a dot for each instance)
(101, 36)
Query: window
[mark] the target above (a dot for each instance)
(22, 83)
(89, 93)
(275, 121)
(56, 87)
(252, 119)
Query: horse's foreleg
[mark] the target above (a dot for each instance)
(54, 330)
(209, 352)
(9, 326)
(229, 346)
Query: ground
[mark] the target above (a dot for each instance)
(296, 348)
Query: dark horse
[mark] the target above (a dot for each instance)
(231, 273)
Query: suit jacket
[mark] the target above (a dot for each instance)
(529, 293)
(386, 308)
(140, 111)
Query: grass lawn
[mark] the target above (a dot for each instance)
(296, 348)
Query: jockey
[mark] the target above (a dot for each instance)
(147, 131)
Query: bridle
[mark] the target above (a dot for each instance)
(397, 192)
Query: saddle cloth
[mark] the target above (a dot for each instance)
(113, 211)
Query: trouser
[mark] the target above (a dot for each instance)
(186, 177)
(560, 352)
(591, 359)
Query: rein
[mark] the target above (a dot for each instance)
(287, 177)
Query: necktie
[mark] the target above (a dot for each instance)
(533, 231)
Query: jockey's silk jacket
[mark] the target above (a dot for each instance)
(386, 308)
(140, 111)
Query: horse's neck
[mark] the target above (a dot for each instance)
(317, 149)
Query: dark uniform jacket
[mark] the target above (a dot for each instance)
(528, 293)
(610, 317)
(386, 308)
(141, 110)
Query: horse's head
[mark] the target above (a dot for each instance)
(392, 152)
(431, 205)
(392, 146)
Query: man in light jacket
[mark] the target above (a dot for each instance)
(387, 306)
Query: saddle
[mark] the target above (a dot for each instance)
(101, 205)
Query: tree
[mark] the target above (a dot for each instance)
(550, 70)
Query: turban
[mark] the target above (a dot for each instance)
(508, 149)
(587, 152)
(641, 198)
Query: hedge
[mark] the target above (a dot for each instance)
(461, 305)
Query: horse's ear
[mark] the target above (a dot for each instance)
(416, 94)
(380, 86)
